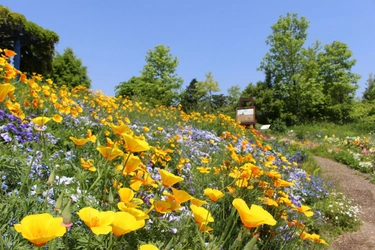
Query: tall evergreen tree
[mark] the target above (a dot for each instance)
(190, 97)
(369, 94)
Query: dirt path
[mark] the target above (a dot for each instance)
(362, 192)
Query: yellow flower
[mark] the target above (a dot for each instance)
(57, 118)
(146, 129)
(305, 210)
(41, 120)
(121, 129)
(98, 222)
(203, 227)
(132, 163)
(253, 217)
(91, 136)
(9, 53)
(40, 228)
(148, 247)
(135, 145)
(110, 152)
(88, 165)
(269, 201)
(5, 89)
(124, 223)
(197, 202)
(80, 141)
(138, 214)
(162, 206)
(181, 196)
(15, 109)
(168, 179)
(141, 178)
(201, 214)
(213, 194)
(313, 237)
(127, 196)
(204, 170)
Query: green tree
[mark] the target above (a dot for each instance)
(339, 83)
(369, 94)
(68, 70)
(234, 94)
(158, 83)
(190, 97)
(309, 84)
(267, 108)
(206, 88)
(283, 63)
(37, 44)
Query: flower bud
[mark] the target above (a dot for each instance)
(67, 216)
(51, 177)
(59, 202)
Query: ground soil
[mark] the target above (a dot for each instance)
(357, 187)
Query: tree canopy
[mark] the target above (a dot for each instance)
(158, 82)
(68, 70)
(304, 84)
(37, 44)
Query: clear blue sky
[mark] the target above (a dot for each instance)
(225, 37)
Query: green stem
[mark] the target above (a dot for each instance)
(66, 239)
(89, 241)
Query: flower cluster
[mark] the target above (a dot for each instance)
(109, 166)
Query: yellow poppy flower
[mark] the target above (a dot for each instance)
(40, 228)
(9, 53)
(305, 210)
(201, 214)
(88, 165)
(5, 89)
(132, 163)
(204, 170)
(181, 196)
(204, 228)
(213, 194)
(148, 247)
(162, 207)
(253, 217)
(124, 223)
(41, 120)
(80, 141)
(142, 178)
(168, 179)
(110, 153)
(138, 214)
(135, 145)
(269, 201)
(98, 222)
(121, 129)
(127, 196)
(91, 136)
(146, 129)
(57, 118)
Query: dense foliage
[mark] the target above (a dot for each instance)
(158, 83)
(68, 70)
(37, 44)
(304, 84)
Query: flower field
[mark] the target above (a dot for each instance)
(82, 170)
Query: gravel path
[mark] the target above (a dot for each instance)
(354, 185)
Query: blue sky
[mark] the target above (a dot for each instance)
(224, 37)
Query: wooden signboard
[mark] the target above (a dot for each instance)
(245, 112)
